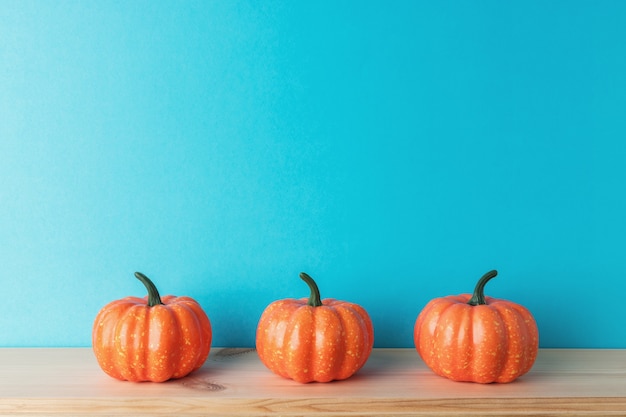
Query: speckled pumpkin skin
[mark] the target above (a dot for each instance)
(136, 342)
(494, 342)
(321, 344)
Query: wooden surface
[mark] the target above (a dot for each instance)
(394, 382)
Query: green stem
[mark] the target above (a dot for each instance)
(315, 300)
(478, 298)
(153, 294)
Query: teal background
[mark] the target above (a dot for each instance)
(395, 151)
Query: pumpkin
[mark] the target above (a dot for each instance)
(477, 338)
(313, 339)
(152, 338)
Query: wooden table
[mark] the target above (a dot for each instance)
(233, 382)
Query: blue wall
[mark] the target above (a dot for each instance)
(395, 151)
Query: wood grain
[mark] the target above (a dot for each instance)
(233, 382)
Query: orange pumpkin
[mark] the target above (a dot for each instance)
(151, 338)
(313, 339)
(477, 338)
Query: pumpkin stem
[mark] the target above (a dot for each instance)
(315, 300)
(153, 294)
(478, 298)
